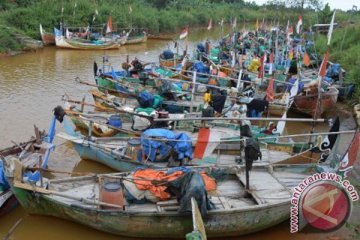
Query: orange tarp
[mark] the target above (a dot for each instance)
(155, 181)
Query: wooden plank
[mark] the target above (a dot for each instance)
(198, 223)
(224, 202)
(265, 188)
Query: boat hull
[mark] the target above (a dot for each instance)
(168, 224)
(61, 42)
(308, 104)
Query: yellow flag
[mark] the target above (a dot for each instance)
(257, 25)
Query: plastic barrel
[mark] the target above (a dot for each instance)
(134, 148)
(111, 193)
(115, 121)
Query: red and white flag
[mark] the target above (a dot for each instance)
(270, 90)
(184, 33)
(208, 140)
(331, 28)
(261, 68)
(322, 70)
(271, 63)
(209, 25)
(298, 25)
(109, 26)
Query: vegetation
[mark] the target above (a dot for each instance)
(172, 15)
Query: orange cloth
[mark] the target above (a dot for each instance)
(270, 90)
(306, 59)
(150, 177)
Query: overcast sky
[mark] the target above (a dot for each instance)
(338, 4)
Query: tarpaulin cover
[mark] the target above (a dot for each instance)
(3, 182)
(152, 147)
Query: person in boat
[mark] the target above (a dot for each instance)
(136, 67)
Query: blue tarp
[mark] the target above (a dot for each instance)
(163, 148)
(3, 182)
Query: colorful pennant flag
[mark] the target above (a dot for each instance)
(209, 25)
(331, 28)
(257, 25)
(298, 25)
(323, 66)
(184, 33)
(109, 26)
(306, 59)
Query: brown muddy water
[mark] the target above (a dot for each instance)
(32, 84)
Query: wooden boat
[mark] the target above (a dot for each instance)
(263, 203)
(28, 153)
(162, 37)
(141, 38)
(47, 38)
(83, 44)
(308, 103)
(170, 63)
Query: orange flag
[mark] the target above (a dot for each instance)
(270, 90)
(323, 66)
(306, 59)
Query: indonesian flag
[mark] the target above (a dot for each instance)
(306, 59)
(261, 70)
(270, 90)
(109, 25)
(208, 140)
(331, 28)
(290, 31)
(322, 70)
(298, 25)
(184, 33)
(271, 63)
(209, 25)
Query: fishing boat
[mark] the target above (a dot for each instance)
(47, 38)
(308, 102)
(30, 154)
(136, 39)
(232, 200)
(168, 59)
(83, 44)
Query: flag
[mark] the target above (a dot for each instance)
(298, 25)
(109, 26)
(270, 90)
(209, 25)
(261, 69)
(222, 22)
(234, 23)
(331, 28)
(208, 140)
(184, 33)
(262, 24)
(306, 59)
(322, 70)
(257, 25)
(271, 63)
(130, 9)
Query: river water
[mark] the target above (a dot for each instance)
(32, 84)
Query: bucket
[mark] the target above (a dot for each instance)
(115, 121)
(134, 149)
(111, 193)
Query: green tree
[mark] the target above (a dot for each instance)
(325, 14)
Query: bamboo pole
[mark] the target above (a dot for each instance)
(245, 118)
(308, 134)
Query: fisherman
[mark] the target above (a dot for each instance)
(137, 67)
